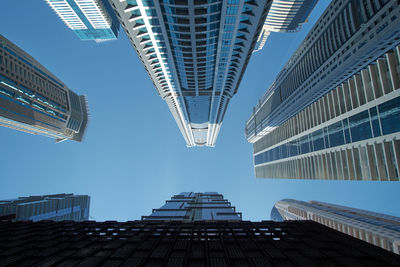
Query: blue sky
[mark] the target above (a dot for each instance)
(133, 157)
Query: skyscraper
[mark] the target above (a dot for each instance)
(332, 112)
(378, 229)
(89, 19)
(58, 207)
(196, 53)
(34, 101)
(285, 16)
(189, 206)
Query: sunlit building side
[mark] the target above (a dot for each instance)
(195, 54)
(89, 19)
(376, 228)
(285, 16)
(332, 111)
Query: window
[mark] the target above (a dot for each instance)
(360, 126)
(336, 137)
(389, 115)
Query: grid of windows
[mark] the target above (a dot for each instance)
(32, 99)
(330, 139)
(376, 81)
(195, 54)
(285, 16)
(374, 122)
(379, 161)
(89, 19)
(334, 50)
(58, 207)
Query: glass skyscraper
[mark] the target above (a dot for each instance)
(196, 53)
(34, 101)
(285, 16)
(332, 112)
(189, 206)
(378, 229)
(89, 19)
(58, 207)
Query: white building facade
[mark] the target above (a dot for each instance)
(89, 19)
(378, 229)
(196, 53)
(285, 16)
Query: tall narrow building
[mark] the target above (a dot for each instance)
(58, 207)
(34, 101)
(332, 112)
(189, 206)
(378, 229)
(196, 53)
(89, 19)
(285, 16)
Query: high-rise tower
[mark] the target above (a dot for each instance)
(332, 112)
(196, 52)
(89, 19)
(33, 100)
(58, 207)
(189, 206)
(285, 16)
(378, 229)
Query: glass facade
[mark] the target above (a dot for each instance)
(195, 54)
(347, 37)
(331, 112)
(362, 126)
(350, 133)
(189, 206)
(89, 19)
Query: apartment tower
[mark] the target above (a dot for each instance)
(285, 16)
(332, 112)
(57, 207)
(195, 52)
(189, 206)
(34, 101)
(378, 229)
(89, 19)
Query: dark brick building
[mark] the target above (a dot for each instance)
(160, 243)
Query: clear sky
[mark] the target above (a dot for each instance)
(133, 157)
